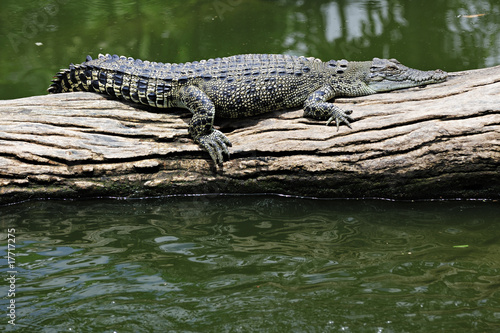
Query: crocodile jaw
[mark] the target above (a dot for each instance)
(390, 74)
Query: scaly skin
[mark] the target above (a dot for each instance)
(240, 86)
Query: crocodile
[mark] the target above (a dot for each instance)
(240, 86)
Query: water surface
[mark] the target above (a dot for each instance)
(268, 264)
(40, 37)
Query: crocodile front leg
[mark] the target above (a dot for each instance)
(201, 125)
(317, 107)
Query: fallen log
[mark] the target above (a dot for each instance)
(441, 141)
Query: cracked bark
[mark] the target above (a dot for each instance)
(441, 141)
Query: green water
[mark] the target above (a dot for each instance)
(247, 264)
(254, 264)
(40, 37)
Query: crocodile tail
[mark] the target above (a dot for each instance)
(64, 81)
(57, 83)
(70, 79)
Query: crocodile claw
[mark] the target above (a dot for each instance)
(340, 116)
(216, 145)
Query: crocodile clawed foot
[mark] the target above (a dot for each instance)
(216, 145)
(340, 116)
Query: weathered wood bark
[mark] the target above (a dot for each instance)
(442, 141)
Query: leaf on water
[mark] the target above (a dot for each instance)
(471, 16)
(460, 246)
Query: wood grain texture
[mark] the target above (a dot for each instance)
(441, 141)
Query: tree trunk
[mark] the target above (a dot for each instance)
(441, 141)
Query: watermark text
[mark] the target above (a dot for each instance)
(11, 275)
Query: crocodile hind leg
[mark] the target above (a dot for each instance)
(201, 125)
(317, 107)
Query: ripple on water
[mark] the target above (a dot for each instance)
(330, 266)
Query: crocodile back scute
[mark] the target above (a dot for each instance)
(240, 85)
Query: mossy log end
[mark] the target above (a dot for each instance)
(441, 141)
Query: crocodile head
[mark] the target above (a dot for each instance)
(390, 74)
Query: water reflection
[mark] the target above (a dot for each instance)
(39, 40)
(185, 263)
